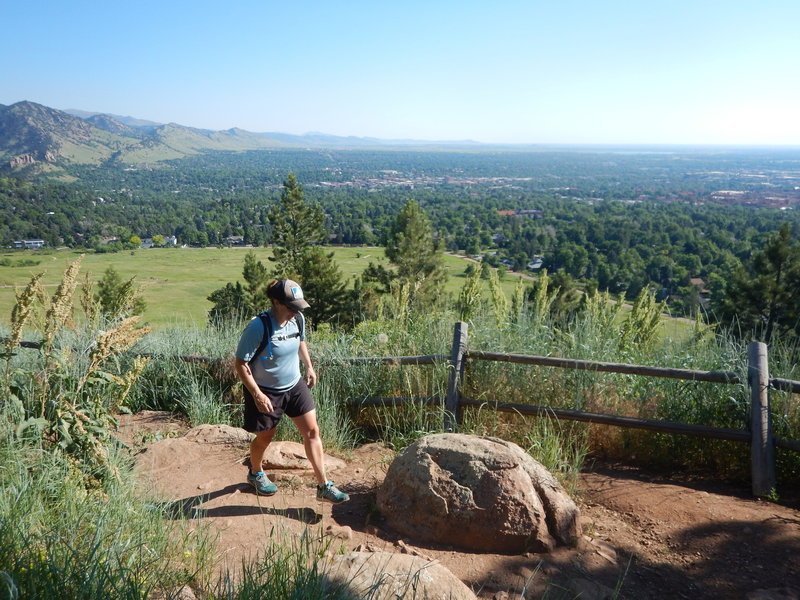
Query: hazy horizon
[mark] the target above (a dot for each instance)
(580, 73)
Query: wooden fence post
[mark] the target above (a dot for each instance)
(762, 446)
(452, 408)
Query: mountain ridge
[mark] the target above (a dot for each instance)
(35, 136)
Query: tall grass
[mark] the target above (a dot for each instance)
(291, 567)
(71, 522)
(60, 540)
(602, 331)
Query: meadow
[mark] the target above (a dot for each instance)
(176, 282)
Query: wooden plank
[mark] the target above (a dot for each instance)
(591, 365)
(736, 435)
(398, 401)
(785, 385)
(762, 448)
(452, 407)
(428, 359)
(630, 422)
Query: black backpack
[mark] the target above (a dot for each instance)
(266, 341)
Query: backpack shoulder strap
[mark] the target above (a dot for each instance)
(301, 323)
(266, 322)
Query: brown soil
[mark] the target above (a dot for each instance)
(650, 535)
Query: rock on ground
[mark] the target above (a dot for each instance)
(476, 493)
(389, 576)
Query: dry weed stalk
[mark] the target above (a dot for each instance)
(88, 303)
(60, 309)
(21, 312)
(114, 341)
(470, 296)
(126, 381)
(518, 300)
(499, 301)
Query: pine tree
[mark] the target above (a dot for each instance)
(296, 226)
(762, 298)
(117, 298)
(298, 229)
(324, 288)
(418, 258)
(230, 302)
(256, 277)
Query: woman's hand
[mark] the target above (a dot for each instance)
(311, 377)
(262, 402)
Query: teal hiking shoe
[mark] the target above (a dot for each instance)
(330, 493)
(262, 484)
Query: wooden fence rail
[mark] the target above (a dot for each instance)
(760, 436)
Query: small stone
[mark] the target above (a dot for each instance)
(589, 590)
(365, 548)
(342, 533)
(406, 549)
(184, 593)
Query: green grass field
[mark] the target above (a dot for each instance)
(176, 282)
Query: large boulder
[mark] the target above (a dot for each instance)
(292, 455)
(389, 576)
(476, 493)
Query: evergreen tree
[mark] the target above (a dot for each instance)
(762, 298)
(230, 302)
(324, 288)
(418, 258)
(117, 298)
(298, 229)
(296, 226)
(256, 278)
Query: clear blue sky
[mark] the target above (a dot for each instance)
(528, 71)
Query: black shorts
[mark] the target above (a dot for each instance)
(293, 402)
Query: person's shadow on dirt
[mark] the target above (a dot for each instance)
(189, 508)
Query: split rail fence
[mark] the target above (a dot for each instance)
(760, 435)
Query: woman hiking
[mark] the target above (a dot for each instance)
(268, 364)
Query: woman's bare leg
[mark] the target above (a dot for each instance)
(258, 447)
(312, 442)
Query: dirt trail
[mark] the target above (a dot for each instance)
(657, 537)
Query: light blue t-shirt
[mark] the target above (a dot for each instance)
(282, 371)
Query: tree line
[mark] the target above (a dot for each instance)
(757, 299)
(616, 223)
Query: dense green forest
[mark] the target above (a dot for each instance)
(620, 221)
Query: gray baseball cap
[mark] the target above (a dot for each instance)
(288, 292)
